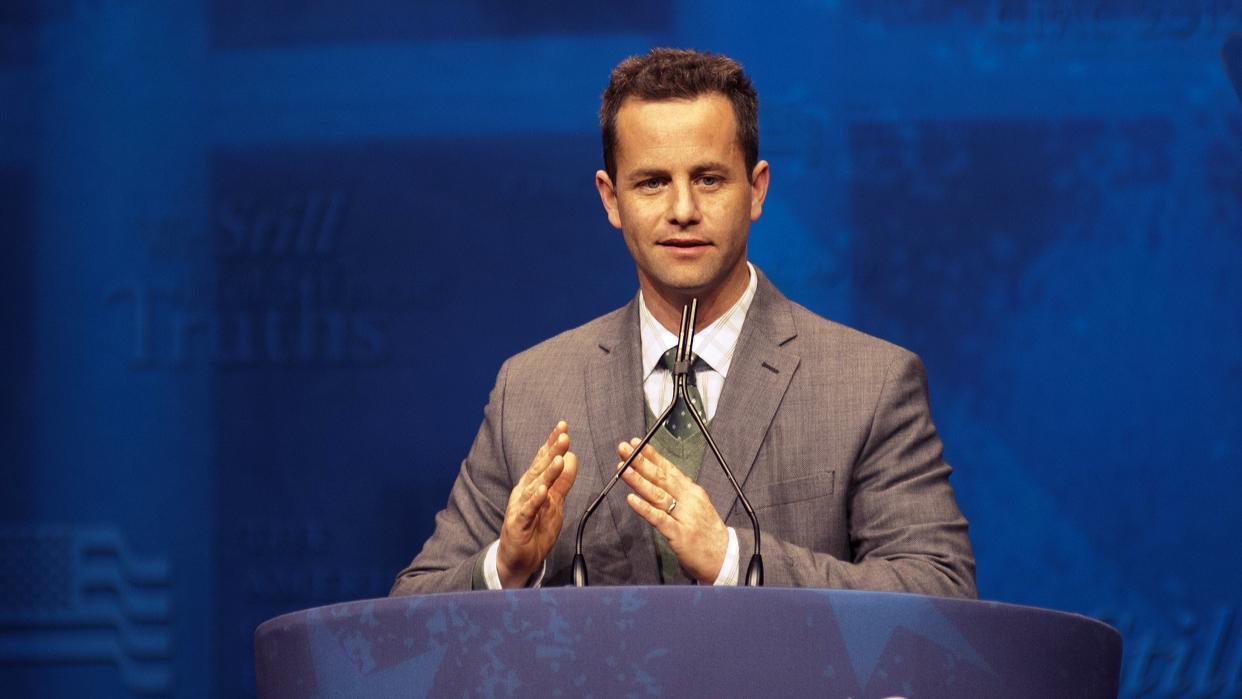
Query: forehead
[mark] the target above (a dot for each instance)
(665, 133)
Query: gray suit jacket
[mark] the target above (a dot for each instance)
(827, 429)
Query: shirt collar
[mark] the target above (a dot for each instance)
(713, 344)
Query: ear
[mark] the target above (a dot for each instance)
(758, 188)
(608, 196)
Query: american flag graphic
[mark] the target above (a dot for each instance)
(78, 595)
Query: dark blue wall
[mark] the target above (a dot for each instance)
(244, 240)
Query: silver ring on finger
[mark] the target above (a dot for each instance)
(671, 506)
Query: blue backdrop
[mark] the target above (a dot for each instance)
(244, 242)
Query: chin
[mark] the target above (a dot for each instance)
(689, 287)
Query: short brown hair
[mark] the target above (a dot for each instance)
(680, 74)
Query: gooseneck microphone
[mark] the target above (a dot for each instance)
(681, 371)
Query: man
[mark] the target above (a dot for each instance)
(827, 429)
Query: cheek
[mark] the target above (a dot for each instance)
(637, 217)
(630, 244)
(631, 238)
(731, 214)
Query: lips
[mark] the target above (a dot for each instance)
(683, 243)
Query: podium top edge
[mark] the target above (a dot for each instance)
(665, 591)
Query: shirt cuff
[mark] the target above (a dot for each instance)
(492, 576)
(728, 571)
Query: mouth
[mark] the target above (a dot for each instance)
(683, 243)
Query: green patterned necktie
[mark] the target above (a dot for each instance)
(680, 423)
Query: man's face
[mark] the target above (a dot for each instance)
(682, 196)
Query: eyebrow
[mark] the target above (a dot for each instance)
(710, 166)
(646, 174)
(698, 169)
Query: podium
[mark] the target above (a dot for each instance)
(684, 641)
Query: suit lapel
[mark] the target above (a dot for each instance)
(614, 400)
(758, 377)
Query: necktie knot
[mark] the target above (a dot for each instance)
(668, 360)
(681, 424)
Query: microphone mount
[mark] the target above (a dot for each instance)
(681, 373)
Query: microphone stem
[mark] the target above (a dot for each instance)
(616, 477)
(683, 366)
(684, 339)
(683, 391)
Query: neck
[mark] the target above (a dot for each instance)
(666, 304)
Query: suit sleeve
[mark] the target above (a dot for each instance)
(906, 533)
(452, 558)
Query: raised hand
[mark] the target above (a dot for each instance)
(536, 509)
(679, 509)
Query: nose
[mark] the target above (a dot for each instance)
(684, 207)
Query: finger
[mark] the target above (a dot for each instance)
(550, 474)
(648, 491)
(522, 495)
(536, 490)
(548, 443)
(668, 468)
(640, 465)
(556, 444)
(655, 471)
(639, 469)
(560, 431)
(536, 467)
(553, 471)
(530, 508)
(565, 481)
(557, 447)
(543, 479)
(656, 518)
(560, 445)
(549, 447)
(624, 449)
(560, 428)
(540, 474)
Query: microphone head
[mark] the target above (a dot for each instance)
(580, 571)
(1231, 53)
(754, 571)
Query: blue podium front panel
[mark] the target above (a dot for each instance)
(669, 641)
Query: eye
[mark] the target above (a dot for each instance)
(652, 184)
(709, 180)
